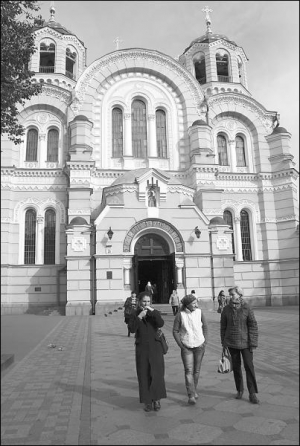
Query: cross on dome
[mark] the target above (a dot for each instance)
(207, 19)
(52, 12)
(117, 41)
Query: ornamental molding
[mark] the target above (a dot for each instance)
(237, 206)
(128, 57)
(78, 244)
(15, 172)
(153, 224)
(280, 219)
(25, 187)
(182, 190)
(114, 190)
(40, 206)
(232, 100)
(58, 93)
(222, 243)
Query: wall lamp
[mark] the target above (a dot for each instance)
(197, 232)
(110, 233)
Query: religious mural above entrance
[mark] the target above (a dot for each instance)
(148, 224)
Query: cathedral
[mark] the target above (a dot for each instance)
(141, 167)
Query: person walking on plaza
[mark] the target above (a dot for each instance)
(174, 302)
(221, 301)
(190, 332)
(149, 357)
(239, 332)
(149, 289)
(129, 306)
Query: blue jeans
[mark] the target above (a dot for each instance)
(192, 359)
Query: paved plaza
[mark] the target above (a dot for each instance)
(84, 391)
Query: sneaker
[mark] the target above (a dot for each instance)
(239, 395)
(147, 407)
(196, 396)
(156, 405)
(191, 400)
(253, 398)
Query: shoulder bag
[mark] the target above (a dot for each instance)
(162, 339)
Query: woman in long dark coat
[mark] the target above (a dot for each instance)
(150, 365)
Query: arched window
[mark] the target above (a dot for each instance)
(47, 57)
(200, 70)
(161, 134)
(245, 234)
(222, 150)
(49, 237)
(139, 129)
(227, 216)
(117, 133)
(32, 145)
(52, 145)
(70, 63)
(240, 151)
(30, 236)
(222, 67)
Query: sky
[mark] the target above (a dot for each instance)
(268, 31)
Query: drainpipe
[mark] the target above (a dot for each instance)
(212, 266)
(93, 267)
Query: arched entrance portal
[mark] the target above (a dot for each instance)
(153, 262)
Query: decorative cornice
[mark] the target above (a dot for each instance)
(232, 100)
(58, 93)
(130, 56)
(280, 219)
(182, 190)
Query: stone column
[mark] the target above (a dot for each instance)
(232, 155)
(42, 155)
(40, 241)
(127, 263)
(127, 135)
(179, 266)
(152, 137)
(238, 239)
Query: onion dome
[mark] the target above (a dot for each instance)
(279, 130)
(199, 122)
(217, 221)
(78, 221)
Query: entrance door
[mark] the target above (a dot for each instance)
(153, 263)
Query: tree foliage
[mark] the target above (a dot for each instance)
(17, 47)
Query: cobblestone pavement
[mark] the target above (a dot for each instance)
(86, 393)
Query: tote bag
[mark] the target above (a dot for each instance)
(225, 363)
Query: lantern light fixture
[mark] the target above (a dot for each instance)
(197, 232)
(110, 233)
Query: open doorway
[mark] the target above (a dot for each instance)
(158, 271)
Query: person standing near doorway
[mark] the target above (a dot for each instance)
(174, 302)
(129, 307)
(190, 332)
(149, 289)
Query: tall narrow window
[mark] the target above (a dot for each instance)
(32, 145)
(139, 129)
(227, 216)
(30, 235)
(222, 150)
(47, 57)
(49, 237)
(117, 133)
(222, 67)
(245, 234)
(200, 71)
(52, 145)
(70, 63)
(161, 134)
(240, 152)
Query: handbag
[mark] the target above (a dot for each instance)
(225, 363)
(219, 310)
(162, 339)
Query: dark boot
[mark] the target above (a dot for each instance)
(239, 395)
(253, 398)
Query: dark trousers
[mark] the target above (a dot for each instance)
(175, 309)
(249, 368)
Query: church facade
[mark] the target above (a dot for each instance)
(143, 168)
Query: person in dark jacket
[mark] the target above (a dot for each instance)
(129, 306)
(239, 332)
(150, 365)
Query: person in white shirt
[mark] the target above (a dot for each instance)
(190, 332)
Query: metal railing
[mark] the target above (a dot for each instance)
(224, 79)
(46, 69)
